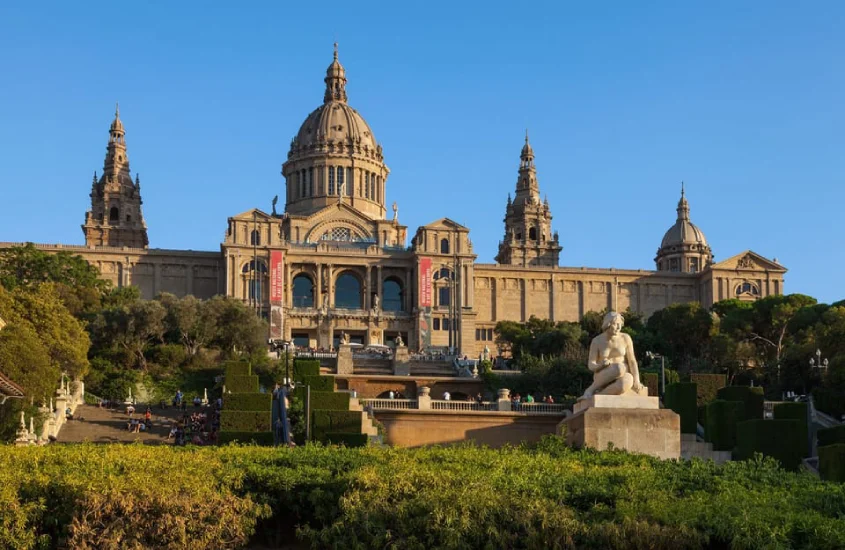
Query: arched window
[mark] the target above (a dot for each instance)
(347, 292)
(114, 214)
(303, 291)
(749, 289)
(392, 295)
(255, 238)
(444, 246)
(532, 234)
(331, 180)
(340, 179)
(255, 281)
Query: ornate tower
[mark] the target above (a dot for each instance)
(684, 248)
(115, 218)
(528, 222)
(335, 157)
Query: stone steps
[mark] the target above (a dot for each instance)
(367, 426)
(692, 448)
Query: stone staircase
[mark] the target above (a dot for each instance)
(367, 426)
(691, 447)
(380, 367)
(432, 368)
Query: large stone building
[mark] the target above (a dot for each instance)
(337, 259)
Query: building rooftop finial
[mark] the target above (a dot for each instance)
(335, 50)
(682, 189)
(526, 135)
(116, 109)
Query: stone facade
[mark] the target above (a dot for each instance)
(335, 260)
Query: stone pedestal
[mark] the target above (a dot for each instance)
(504, 399)
(401, 358)
(344, 359)
(424, 399)
(629, 422)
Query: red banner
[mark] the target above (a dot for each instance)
(276, 277)
(425, 282)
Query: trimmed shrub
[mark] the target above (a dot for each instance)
(305, 367)
(247, 402)
(721, 418)
(752, 397)
(318, 382)
(237, 368)
(348, 440)
(259, 438)
(326, 422)
(779, 439)
(795, 411)
(329, 401)
(242, 384)
(831, 436)
(832, 462)
(680, 397)
(245, 421)
(707, 386)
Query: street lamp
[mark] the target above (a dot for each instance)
(652, 355)
(817, 363)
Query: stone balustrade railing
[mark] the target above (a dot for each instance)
(388, 404)
(424, 402)
(68, 396)
(441, 405)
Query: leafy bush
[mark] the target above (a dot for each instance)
(751, 397)
(651, 379)
(795, 411)
(681, 398)
(237, 368)
(832, 462)
(247, 401)
(779, 439)
(257, 438)
(305, 367)
(245, 421)
(242, 384)
(707, 386)
(326, 422)
(318, 382)
(722, 417)
(349, 440)
(169, 356)
(831, 436)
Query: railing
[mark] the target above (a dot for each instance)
(307, 354)
(377, 355)
(388, 404)
(539, 408)
(441, 405)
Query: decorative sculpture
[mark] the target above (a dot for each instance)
(344, 338)
(612, 361)
(399, 342)
(395, 212)
(376, 302)
(275, 200)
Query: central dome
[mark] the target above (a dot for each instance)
(336, 125)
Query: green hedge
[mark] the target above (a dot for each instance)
(329, 401)
(245, 421)
(795, 411)
(242, 383)
(832, 462)
(248, 402)
(681, 398)
(259, 438)
(752, 397)
(707, 386)
(326, 422)
(831, 436)
(305, 367)
(237, 368)
(721, 419)
(319, 382)
(779, 439)
(348, 440)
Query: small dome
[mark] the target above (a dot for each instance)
(334, 122)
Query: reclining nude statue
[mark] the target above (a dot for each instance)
(612, 361)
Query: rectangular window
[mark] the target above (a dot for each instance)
(436, 324)
(693, 265)
(331, 180)
(255, 290)
(349, 182)
(367, 184)
(674, 264)
(490, 334)
(478, 333)
(446, 324)
(443, 296)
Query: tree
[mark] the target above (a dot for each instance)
(194, 322)
(681, 332)
(239, 330)
(511, 337)
(131, 327)
(771, 322)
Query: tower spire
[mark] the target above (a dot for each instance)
(683, 206)
(335, 81)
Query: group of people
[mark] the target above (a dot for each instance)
(517, 400)
(138, 425)
(396, 394)
(197, 428)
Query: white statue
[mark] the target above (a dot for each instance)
(376, 302)
(399, 342)
(344, 338)
(612, 361)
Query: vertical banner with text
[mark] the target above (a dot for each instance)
(277, 286)
(425, 298)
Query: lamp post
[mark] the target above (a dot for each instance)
(652, 355)
(817, 363)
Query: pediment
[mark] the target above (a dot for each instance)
(445, 223)
(248, 215)
(361, 227)
(751, 261)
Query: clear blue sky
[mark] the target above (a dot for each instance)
(744, 101)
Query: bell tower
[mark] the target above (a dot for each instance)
(115, 218)
(528, 222)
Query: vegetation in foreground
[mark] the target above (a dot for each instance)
(550, 496)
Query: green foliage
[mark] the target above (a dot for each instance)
(722, 417)
(779, 439)
(348, 440)
(334, 421)
(245, 421)
(795, 411)
(327, 400)
(684, 330)
(248, 401)
(242, 384)
(319, 382)
(831, 436)
(169, 356)
(133, 328)
(681, 398)
(238, 329)
(109, 381)
(237, 368)
(651, 379)
(832, 462)
(707, 386)
(305, 367)
(246, 438)
(751, 397)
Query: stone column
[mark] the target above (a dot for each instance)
(401, 358)
(504, 400)
(330, 285)
(344, 359)
(318, 286)
(288, 286)
(424, 399)
(368, 294)
(407, 305)
(379, 287)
